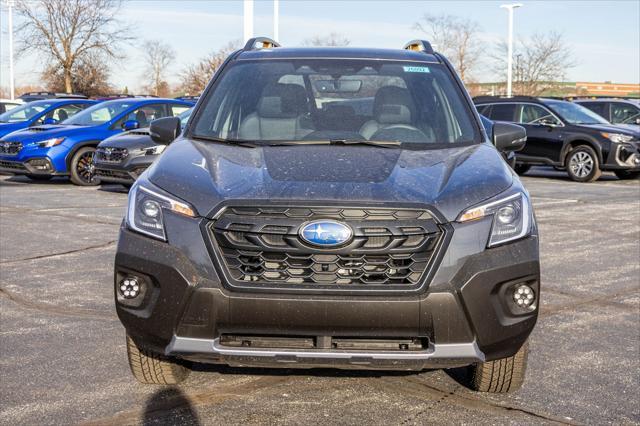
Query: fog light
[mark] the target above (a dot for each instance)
(524, 296)
(130, 287)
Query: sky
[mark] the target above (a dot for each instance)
(604, 36)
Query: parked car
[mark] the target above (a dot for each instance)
(38, 96)
(7, 104)
(616, 111)
(123, 157)
(40, 112)
(43, 151)
(279, 230)
(567, 136)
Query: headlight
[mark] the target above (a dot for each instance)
(617, 137)
(511, 218)
(145, 211)
(154, 150)
(50, 142)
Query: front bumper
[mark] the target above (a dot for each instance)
(623, 156)
(126, 171)
(462, 315)
(33, 166)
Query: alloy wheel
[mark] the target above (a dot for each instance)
(85, 167)
(581, 164)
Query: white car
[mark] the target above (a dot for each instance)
(7, 104)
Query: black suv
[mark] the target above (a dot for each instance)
(331, 207)
(567, 136)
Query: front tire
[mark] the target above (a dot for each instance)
(522, 168)
(501, 375)
(582, 164)
(626, 174)
(154, 369)
(82, 169)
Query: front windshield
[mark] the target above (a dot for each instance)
(336, 99)
(23, 112)
(99, 114)
(574, 113)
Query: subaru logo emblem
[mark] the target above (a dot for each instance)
(326, 233)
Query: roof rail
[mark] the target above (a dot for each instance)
(419, 46)
(260, 43)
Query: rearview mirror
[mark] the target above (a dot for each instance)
(165, 130)
(509, 137)
(130, 125)
(49, 120)
(338, 86)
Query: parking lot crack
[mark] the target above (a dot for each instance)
(55, 310)
(63, 253)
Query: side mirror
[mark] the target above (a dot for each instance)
(548, 123)
(130, 125)
(509, 137)
(49, 120)
(165, 130)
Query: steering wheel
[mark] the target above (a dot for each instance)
(402, 133)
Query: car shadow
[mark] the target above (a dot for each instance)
(113, 188)
(18, 179)
(314, 372)
(551, 173)
(170, 406)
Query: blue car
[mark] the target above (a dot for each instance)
(48, 111)
(66, 149)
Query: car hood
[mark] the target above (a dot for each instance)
(6, 128)
(135, 139)
(616, 128)
(39, 133)
(450, 180)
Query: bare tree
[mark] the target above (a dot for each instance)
(89, 75)
(67, 31)
(157, 56)
(540, 63)
(196, 76)
(331, 40)
(456, 38)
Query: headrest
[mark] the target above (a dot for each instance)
(281, 100)
(393, 105)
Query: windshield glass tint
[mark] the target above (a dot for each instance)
(23, 112)
(313, 99)
(574, 113)
(99, 114)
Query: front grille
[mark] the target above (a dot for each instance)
(391, 249)
(10, 148)
(12, 165)
(111, 154)
(112, 174)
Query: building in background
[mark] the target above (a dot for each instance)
(562, 89)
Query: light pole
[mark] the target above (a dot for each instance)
(510, 8)
(10, 25)
(276, 19)
(248, 19)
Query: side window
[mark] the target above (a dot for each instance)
(624, 113)
(144, 115)
(599, 108)
(177, 109)
(503, 112)
(484, 110)
(535, 114)
(61, 113)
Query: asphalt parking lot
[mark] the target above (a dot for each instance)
(62, 349)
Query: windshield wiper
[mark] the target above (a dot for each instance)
(238, 142)
(383, 144)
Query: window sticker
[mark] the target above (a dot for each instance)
(416, 69)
